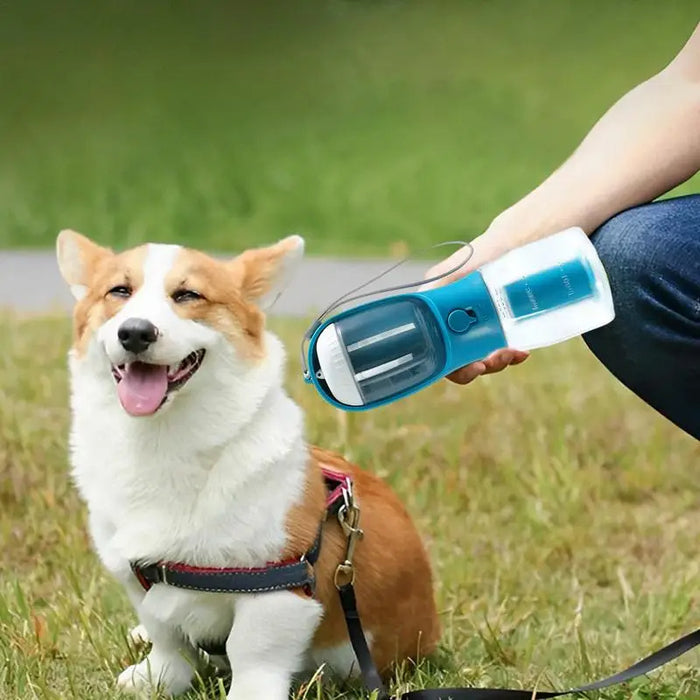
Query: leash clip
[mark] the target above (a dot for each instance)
(349, 519)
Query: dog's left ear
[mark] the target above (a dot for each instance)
(267, 271)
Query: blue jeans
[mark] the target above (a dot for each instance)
(652, 256)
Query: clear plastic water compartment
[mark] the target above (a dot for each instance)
(392, 347)
(550, 290)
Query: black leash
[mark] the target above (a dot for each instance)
(370, 675)
(373, 681)
(650, 663)
(349, 519)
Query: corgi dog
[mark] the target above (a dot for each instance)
(186, 448)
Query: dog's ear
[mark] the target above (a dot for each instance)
(267, 271)
(77, 255)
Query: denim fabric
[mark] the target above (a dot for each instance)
(652, 256)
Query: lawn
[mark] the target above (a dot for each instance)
(360, 124)
(562, 516)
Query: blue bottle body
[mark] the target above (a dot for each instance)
(543, 293)
(412, 339)
(471, 325)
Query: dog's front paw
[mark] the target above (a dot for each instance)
(173, 678)
(134, 678)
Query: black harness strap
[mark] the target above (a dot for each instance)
(275, 576)
(298, 573)
(373, 680)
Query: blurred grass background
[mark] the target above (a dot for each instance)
(359, 124)
(563, 529)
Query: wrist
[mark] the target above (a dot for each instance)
(503, 234)
(524, 222)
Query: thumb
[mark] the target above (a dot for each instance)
(459, 260)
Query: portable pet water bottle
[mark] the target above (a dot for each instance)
(540, 294)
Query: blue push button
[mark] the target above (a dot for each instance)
(459, 320)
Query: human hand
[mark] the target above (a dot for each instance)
(495, 362)
(501, 358)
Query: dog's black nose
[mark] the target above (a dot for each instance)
(136, 334)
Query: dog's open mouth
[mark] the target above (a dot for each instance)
(143, 387)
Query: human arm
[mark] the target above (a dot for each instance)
(644, 145)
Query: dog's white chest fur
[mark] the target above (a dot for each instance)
(206, 487)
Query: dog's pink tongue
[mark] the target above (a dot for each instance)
(142, 388)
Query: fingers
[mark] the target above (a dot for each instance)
(467, 374)
(495, 362)
(519, 356)
(501, 359)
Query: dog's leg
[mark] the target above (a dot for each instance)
(171, 663)
(102, 531)
(139, 636)
(271, 635)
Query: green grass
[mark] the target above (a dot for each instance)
(562, 516)
(359, 124)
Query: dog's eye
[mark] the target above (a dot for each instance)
(121, 290)
(182, 295)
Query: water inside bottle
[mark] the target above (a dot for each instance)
(567, 283)
(550, 290)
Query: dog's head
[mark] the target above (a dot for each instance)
(158, 320)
